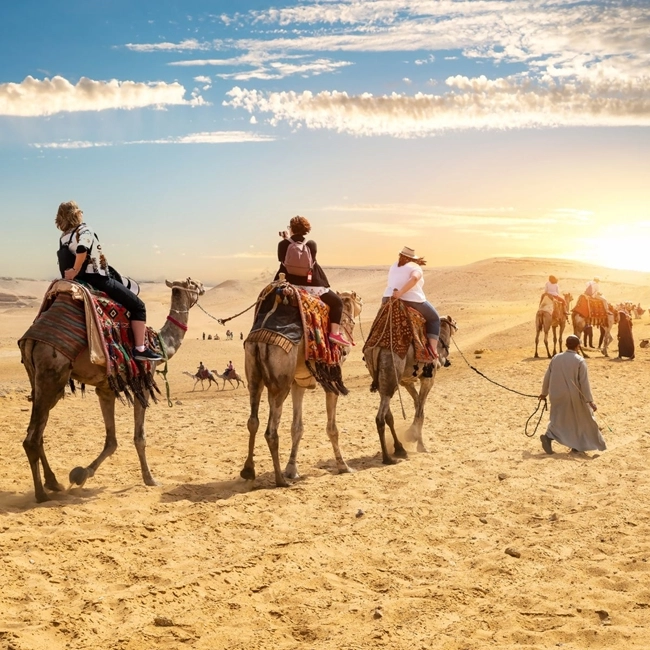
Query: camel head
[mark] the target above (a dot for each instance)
(352, 302)
(451, 322)
(189, 285)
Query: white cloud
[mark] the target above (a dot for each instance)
(280, 70)
(34, 97)
(204, 137)
(476, 103)
(202, 79)
(184, 46)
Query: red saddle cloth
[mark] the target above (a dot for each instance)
(398, 326)
(591, 309)
(64, 323)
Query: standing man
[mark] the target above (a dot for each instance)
(572, 422)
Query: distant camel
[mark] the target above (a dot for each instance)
(550, 314)
(49, 373)
(386, 367)
(579, 324)
(209, 377)
(230, 377)
(281, 372)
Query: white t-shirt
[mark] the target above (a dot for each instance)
(553, 289)
(398, 276)
(592, 288)
(84, 236)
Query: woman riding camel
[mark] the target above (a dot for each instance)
(405, 282)
(552, 289)
(297, 259)
(81, 258)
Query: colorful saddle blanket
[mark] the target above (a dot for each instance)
(74, 317)
(284, 314)
(592, 310)
(396, 327)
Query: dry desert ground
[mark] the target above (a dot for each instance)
(405, 556)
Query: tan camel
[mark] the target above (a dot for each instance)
(230, 377)
(49, 373)
(282, 372)
(579, 324)
(209, 377)
(550, 314)
(386, 367)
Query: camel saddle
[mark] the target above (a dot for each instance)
(73, 317)
(592, 310)
(398, 326)
(284, 316)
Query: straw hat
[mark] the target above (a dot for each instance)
(408, 252)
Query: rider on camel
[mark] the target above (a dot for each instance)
(592, 290)
(552, 289)
(229, 369)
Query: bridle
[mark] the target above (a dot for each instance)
(194, 293)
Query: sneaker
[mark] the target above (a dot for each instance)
(339, 340)
(146, 355)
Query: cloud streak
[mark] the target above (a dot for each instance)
(204, 137)
(33, 97)
(478, 103)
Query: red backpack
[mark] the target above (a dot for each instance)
(298, 260)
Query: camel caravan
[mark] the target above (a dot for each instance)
(591, 311)
(91, 329)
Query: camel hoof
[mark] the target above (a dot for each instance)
(422, 449)
(400, 452)
(248, 473)
(291, 473)
(151, 482)
(78, 476)
(536, 355)
(347, 470)
(282, 483)
(42, 498)
(389, 461)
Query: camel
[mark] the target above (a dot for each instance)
(230, 377)
(197, 378)
(385, 368)
(551, 315)
(579, 324)
(281, 372)
(49, 373)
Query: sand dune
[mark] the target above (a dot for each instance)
(405, 556)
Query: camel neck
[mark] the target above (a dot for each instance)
(173, 331)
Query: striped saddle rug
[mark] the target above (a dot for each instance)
(73, 317)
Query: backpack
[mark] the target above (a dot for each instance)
(298, 260)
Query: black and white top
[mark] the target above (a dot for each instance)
(83, 239)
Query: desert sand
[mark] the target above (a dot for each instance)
(405, 556)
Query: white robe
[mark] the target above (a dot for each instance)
(572, 421)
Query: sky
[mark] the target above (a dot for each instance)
(191, 131)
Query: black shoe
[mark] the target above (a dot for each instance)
(546, 443)
(146, 355)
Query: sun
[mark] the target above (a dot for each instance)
(620, 247)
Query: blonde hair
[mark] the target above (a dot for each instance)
(68, 216)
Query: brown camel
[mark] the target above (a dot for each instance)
(386, 367)
(551, 315)
(281, 372)
(209, 377)
(49, 373)
(230, 377)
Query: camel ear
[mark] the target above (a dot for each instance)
(169, 284)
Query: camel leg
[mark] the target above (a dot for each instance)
(49, 381)
(399, 452)
(418, 421)
(537, 333)
(554, 341)
(276, 401)
(297, 429)
(255, 388)
(380, 420)
(79, 475)
(548, 352)
(140, 442)
(331, 400)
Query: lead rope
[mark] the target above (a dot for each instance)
(390, 335)
(512, 390)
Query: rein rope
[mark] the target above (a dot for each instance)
(223, 321)
(512, 390)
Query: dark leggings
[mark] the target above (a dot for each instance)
(118, 292)
(430, 314)
(334, 302)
